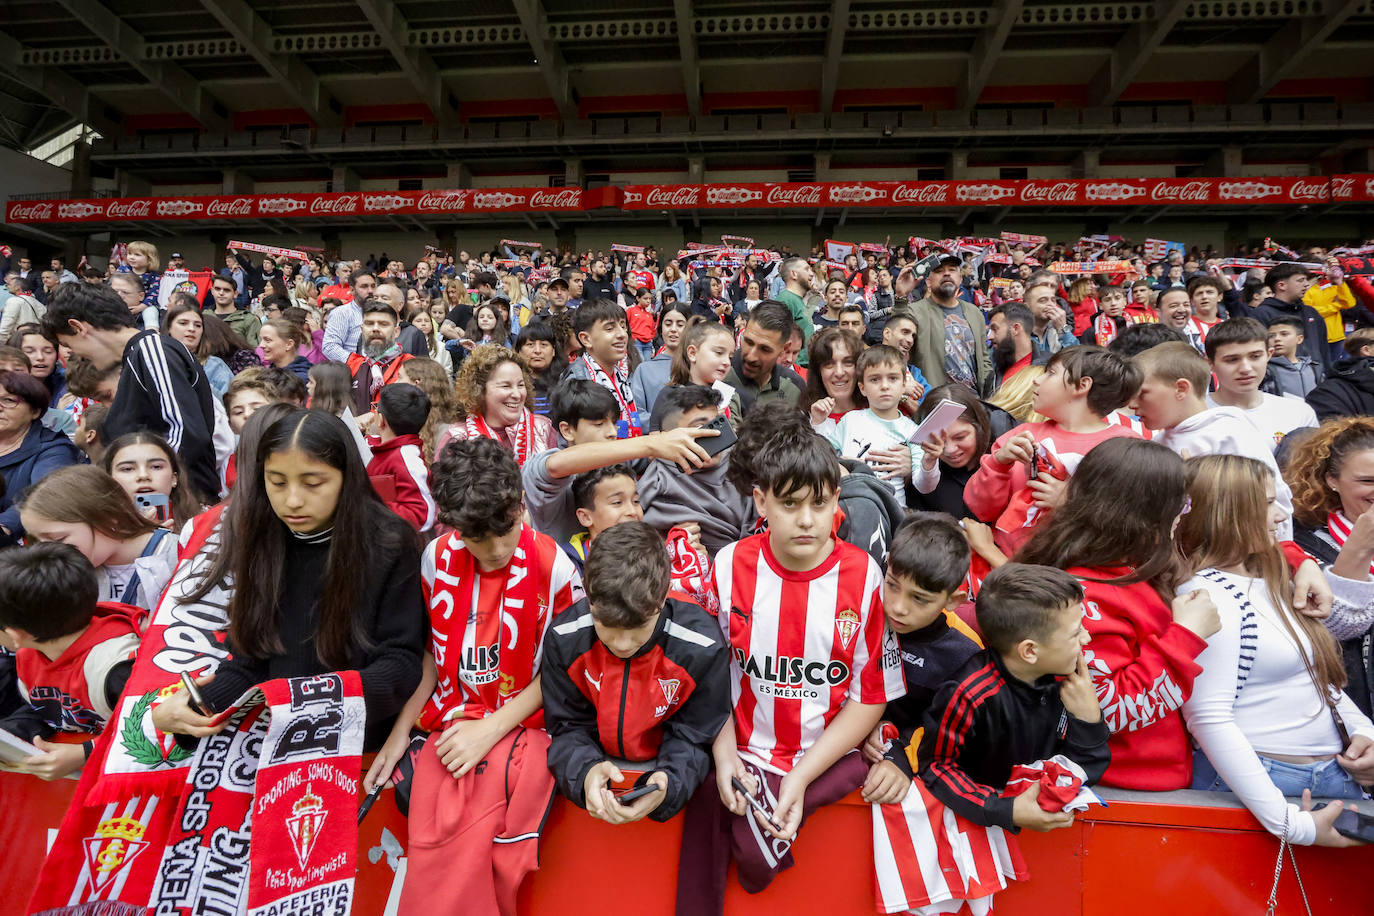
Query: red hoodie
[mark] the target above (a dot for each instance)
(1143, 666)
(401, 478)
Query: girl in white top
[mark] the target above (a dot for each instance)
(1267, 711)
(703, 358)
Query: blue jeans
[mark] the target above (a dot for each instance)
(646, 350)
(1326, 779)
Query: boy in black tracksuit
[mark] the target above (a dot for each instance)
(926, 577)
(1012, 708)
(632, 675)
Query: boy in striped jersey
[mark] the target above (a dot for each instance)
(812, 666)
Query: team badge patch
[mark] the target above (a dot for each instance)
(846, 625)
(307, 816)
(117, 842)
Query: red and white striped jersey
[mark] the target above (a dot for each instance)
(487, 629)
(801, 645)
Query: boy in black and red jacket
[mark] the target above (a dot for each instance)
(397, 469)
(1013, 708)
(636, 676)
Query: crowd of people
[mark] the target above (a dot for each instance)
(962, 528)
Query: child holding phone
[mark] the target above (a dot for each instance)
(880, 433)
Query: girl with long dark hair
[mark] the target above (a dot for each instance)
(832, 386)
(538, 346)
(143, 463)
(351, 598)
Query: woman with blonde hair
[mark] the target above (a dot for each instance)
(1083, 300)
(434, 380)
(496, 391)
(1267, 710)
(672, 279)
(1331, 474)
(518, 295)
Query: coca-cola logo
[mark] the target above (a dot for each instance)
(238, 206)
(34, 211)
(920, 194)
(374, 203)
(279, 206)
(77, 210)
(179, 207)
(854, 194)
(1309, 190)
(564, 199)
(807, 195)
(129, 209)
(341, 205)
(443, 201)
(1060, 192)
(1247, 190)
(1342, 188)
(731, 196)
(978, 193)
(1112, 191)
(497, 200)
(1196, 192)
(686, 196)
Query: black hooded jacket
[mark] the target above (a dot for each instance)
(1348, 390)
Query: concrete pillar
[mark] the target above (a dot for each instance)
(573, 174)
(1225, 162)
(237, 182)
(822, 166)
(81, 169)
(130, 185)
(1087, 164)
(956, 165)
(346, 179)
(459, 176)
(696, 170)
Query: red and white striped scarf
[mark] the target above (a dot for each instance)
(1340, 527)
(521, 434)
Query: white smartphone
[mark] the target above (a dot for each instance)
(937, 421)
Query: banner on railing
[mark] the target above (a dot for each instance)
(1081, 192)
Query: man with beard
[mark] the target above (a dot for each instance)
(950, 331)
(599, 285)
(381, 358)
(345, 324)
(574, 282)
(755, 373)
(799, 279)
(1014, 368)
(1176, 311)
(411, 338)
(1052, 331)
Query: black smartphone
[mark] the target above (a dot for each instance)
(194, 699)
(1356, 825)
(714, 445)
(637, 793)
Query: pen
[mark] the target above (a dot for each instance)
(863, 450)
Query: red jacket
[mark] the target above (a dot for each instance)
(1143, 665)
(361, 369)
(401, 479)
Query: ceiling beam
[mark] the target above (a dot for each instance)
(294, 79)
(549, 59)
(416, 64)
(687, 50)
(986, 50)
(57, 87)
(834, 51)
(1290, 46)
(184, 90)
(1134, 50)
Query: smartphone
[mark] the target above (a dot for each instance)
(158, 502)
(714, 445)
(1353, 824)
(194, 699)
(637, 793)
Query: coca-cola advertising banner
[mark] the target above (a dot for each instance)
(289, 206)
(993, 193)
(1082, 192)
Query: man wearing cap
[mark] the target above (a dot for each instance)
(950, 332)
(1288, 284)
(557, 294)
(576, 281)
(176, 263)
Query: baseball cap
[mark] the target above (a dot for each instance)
(949, 260)
(176, 254)
(558, 281)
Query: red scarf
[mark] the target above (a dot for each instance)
(1340, 527)
(521, 434)
(691, 571)
(1104, 329)
(483, 655)
(619, 386)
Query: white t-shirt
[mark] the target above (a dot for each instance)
(861, 432)
(1276, 416)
